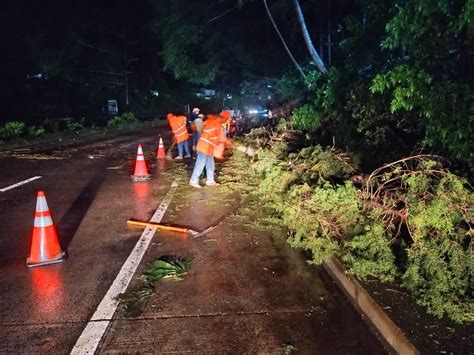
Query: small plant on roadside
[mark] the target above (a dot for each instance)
(127, 118)
(75, 127)
(288, 348)
(13, 130)
(135, 300)
(36, 131)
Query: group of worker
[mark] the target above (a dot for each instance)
(209, 135)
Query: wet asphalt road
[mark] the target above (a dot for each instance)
(90, 196)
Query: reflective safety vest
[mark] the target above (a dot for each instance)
(178, 126)
(211, 134)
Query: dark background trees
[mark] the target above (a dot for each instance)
(66, 58)
(399, 72)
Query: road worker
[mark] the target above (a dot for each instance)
(194, 114)
(178, 125)
(197, 127)
(210, 138)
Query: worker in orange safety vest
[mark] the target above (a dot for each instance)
(210, 138)
(178, 125)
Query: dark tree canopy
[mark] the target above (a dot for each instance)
(399, 72)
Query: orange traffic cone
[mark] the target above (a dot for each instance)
(45, 248)
(161, 153)
(141, 171)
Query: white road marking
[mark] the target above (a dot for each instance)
(95, 329)
(20, 183)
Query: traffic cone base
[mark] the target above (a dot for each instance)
(140, 178)
(161, 153)
(141, 171)
(45, 248)
(58, 259)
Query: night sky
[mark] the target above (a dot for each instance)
(67, 58)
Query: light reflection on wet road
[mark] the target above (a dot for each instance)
(90, 205)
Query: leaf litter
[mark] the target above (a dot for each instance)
(134, 301)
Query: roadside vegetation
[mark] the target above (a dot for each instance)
(17, 132)
(374, 161)
(409, 221)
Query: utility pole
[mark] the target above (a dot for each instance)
(125, 72)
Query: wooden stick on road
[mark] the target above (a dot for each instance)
(132, 222)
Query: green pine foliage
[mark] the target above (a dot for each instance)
(440, 258)
(410, 221)
(319, 214)
(369, 254)
(439, 275)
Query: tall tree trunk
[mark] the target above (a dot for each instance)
(283, 41)
(312, 51)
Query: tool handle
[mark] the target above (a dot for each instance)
(158, 226)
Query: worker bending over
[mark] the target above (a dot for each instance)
(178, 125)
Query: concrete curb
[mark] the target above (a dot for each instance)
(390, 333)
